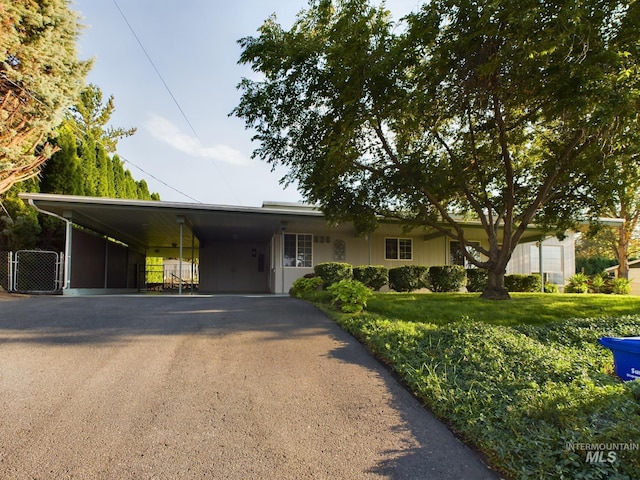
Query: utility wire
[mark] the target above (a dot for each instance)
(175, 100)
(81, 131)
(144, 50)
(157, 179)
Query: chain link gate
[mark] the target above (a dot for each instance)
(5, 261)
(35, 271)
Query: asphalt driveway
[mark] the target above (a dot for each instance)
(237, 387)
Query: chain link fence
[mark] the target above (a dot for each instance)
(4, 270)
(33, 271)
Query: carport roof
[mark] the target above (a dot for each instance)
(148, 224)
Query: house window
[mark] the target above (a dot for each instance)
(298, 250)
(398, 248)
(457, 256)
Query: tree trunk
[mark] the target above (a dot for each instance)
(622, 252)
(495, 286)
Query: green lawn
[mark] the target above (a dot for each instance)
(523, 380)
(523, 308)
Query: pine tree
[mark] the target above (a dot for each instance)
(40, 77)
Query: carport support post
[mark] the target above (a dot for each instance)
(193, 247)
(181, 222)
(283, 228)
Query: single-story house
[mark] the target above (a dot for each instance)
(250, 249)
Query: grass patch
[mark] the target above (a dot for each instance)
(523, 380)
(523, 308)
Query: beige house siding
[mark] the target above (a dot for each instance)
(358, 250)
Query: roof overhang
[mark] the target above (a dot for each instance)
(154, 226)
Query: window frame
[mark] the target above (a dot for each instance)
(300, 255)
(399, 249)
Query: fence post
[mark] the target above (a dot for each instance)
(10, 279)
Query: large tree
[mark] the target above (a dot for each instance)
(487, 109)
(40, 77)
(617, 193)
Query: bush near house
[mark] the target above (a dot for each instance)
(333, 272)
(304, 285)
(578, 283)
(408, 278)
(621, 286)
(477, 279)
(447, 278)
(350, 296)
(598, 283)
(373, 276)
(522, 283)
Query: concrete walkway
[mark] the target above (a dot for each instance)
(224, 387)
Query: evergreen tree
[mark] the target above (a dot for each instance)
(89, 166)
(92, 117)
(40, 77)
(61, 174)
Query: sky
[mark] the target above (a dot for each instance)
(179, 89)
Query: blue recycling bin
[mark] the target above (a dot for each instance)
(626, 356)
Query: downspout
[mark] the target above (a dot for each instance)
(67, 243)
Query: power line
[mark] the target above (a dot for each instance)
(175, 100)
(144, 50)
(77, 127)
(157, 179)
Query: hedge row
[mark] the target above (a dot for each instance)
(407, 278)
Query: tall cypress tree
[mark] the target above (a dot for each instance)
(61, 173)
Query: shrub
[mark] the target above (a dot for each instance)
(578, 283)
(350, 295)
(447, 278)
(305, 285)
(476, 279)
(333, 272)
(522, 283)
(622, 286)
(597, 284)
(551, 288)
(408, 278)
(373, 276)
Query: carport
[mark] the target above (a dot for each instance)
(237, 247)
